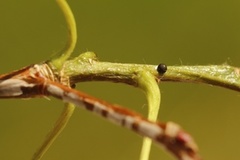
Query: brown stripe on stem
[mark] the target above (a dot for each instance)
(15, 73)
(170, 135)
(32, 91)
(88, 106)
(104, 113)
(123, 123)
(176, 141)
(135, 126)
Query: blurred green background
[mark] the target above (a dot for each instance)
(171, 31)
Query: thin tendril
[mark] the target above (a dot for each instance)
(57, 129)
(147, 82)
(58, 61)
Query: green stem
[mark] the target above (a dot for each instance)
(57, 129)
(219, 75)
(92, 70)
(147, 82)
(58, 61)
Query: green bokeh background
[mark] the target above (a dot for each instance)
(175, 32)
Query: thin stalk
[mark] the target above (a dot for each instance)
(58, 61)
(147, 82)
(57, 129)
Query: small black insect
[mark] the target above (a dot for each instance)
(162, 68)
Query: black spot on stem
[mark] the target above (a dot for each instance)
(162, 68)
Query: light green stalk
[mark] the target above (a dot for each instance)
(147, 82)
(57, 129)
(85, 67)
(59, 60)
(57, 64)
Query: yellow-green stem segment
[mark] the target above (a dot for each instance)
(66, 52)
(147, 82)
(57, 129)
